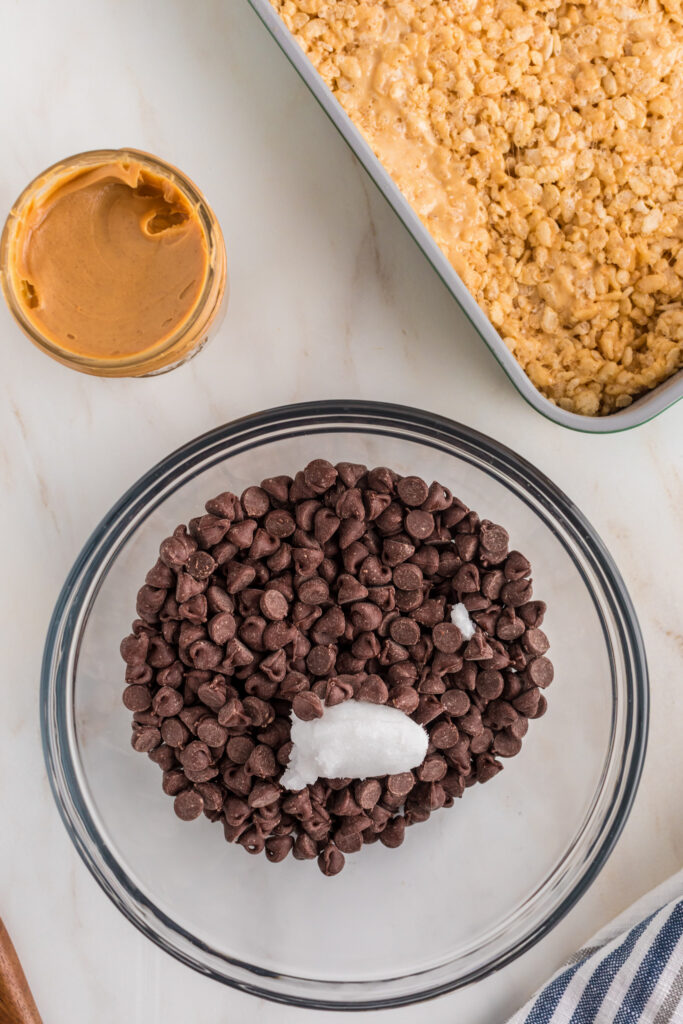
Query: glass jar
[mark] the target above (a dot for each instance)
(195, 329)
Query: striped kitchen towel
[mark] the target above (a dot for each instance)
(629, 973)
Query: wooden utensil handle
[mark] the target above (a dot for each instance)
(16, 1001)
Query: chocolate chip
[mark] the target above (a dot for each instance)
(466, 545)
(432, 769)
(393, 833)
(149, 602)
(542, 707)
(408, 576)
(188, 804)
(274, 605)
(134, 649)
(487, 767)
(446, 637)
(532, 613)
(350, 589)
(263, 794)
(349, 504)
(506, 745)
(493, 540)
(167, 702)
(145, 738)
(395, 551)
(201, 565)
(430, 612)
(444, 735)
(255, 502)
(160, 576)
(140, 675)
(277, 848)
(427, 710)
(419, 524)
(527, 702)
(175, 551)
(535, 641)
(480, 743)
(329, 627)
(375, 504)
(224, 506)
(477, 649)
(500, 714)
(196, 756)
(373, 574)
(466, 579)
(367, 793)
(174, 782)
(261, 762)
(471, 723)
(412, 490)
(252, 840)
(337, 690)
(137, 698)
(518, 729)
(373, 690)
(305, 848)
(348, 841)
(350, 531)
(382, 479)
(455, 703)
(404, 631)
(540, 672)
(307, 706)
(427, 559)
(405, 698)
(279, 523)
(517, 593)
(277, 487)
(321, 659)
(259, 712)
(209, 530)
(455, 513)
(320, 475)
(516, 566)
(331, 860)
(211, 732)
(174, 732)
(489, 684)
(509, 626)
(313, 591)
(238, 577)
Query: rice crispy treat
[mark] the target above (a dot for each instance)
(541, 143)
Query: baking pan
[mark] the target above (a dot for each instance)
(643, 409)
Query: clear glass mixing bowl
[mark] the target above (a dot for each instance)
(470, 889)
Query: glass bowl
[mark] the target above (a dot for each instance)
(469, 890)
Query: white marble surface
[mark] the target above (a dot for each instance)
(330, 297)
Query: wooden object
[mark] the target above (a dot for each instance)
(16, 1002)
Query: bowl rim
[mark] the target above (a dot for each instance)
(98, 551)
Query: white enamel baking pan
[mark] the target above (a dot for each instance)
(642, 410)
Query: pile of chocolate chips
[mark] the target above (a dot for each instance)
(337, 585)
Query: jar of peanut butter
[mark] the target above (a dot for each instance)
(113, 263)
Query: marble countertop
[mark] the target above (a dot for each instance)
(329, 298)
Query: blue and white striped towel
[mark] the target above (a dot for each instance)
(629, 973)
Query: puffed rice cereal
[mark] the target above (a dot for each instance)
(541, 143)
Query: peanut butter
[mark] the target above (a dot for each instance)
(109, 261)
